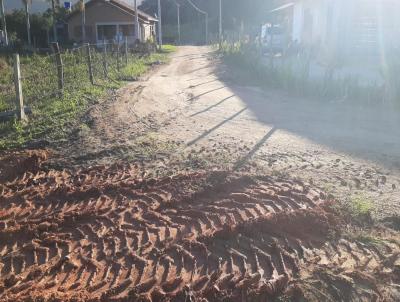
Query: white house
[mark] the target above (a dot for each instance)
(349, 27)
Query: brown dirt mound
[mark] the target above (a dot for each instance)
(15, 164)
(105, 234)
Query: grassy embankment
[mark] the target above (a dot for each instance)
(54, 116)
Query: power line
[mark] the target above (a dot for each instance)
(196, 8)
(159, 24)
(202, 12)
(178, 6)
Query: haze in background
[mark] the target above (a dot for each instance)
(41, 5)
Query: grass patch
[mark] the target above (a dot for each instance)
(356, 210)
(168, 48)
(54, 117)
(361, 205)
(150, 145)
(6, 84)
(369, 240)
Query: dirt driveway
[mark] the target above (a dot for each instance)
(193, 114)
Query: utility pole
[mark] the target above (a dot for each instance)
(136, 22)
(53, 5)
(206, 28)
(178, 7)
(220, 23)
(159, 24)
(201, 12)
(3, 16)
(82, 8)
(28, 23)
(179, 24)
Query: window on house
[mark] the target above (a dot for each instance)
(127, 30)
(78, 31)
(106, 32)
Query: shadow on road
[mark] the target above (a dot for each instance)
(242, 161)
(370, 131)
(204, 93)
(214, 128)
(208, 82)
(212, 106)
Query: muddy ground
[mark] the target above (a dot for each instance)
(107, 234)
(186, 186)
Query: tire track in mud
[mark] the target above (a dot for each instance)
(105, 234)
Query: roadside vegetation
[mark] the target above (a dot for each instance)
(53, 115)
(291, 72)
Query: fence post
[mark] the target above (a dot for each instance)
(89, 62)
(18, 88)
(126, 50)
(60, 67)
(118, 67)
(105, 58)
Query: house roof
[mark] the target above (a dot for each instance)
(121, 5)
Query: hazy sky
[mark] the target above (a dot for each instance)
(39, 5)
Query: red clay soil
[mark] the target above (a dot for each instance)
(15, 164)
(105, 234)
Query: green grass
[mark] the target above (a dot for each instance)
(6, 84)
(55, 117)
(168, 48)
(361, 205)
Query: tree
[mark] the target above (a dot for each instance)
(27, 3)
(16, 26)
(3, 20)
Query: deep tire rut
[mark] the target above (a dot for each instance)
(105, 234)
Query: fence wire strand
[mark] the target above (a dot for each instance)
(40, 74)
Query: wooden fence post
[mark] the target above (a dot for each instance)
(89, 62)
(105, 58)
(118, 67)
(60, 67)
(126, 50)
(18, 89)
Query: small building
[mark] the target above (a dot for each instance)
(350, 28)
(110, 20)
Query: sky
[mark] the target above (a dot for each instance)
(39, 5)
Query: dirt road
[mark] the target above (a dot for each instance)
(193, 114)
(245, 222)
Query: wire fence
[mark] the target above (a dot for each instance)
(7, 88)
(55, 75)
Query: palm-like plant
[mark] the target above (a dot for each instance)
(27, 3)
